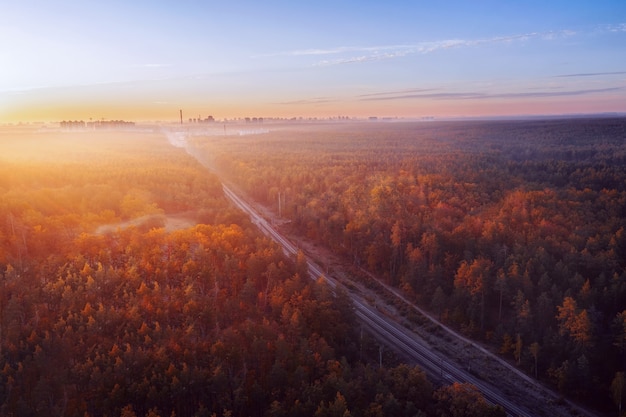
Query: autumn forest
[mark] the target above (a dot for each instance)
(130, 285)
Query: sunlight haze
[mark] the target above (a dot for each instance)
(298, 208)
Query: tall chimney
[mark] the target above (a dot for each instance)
(181, 116)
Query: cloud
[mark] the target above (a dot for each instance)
(363, 54)
(556, 93)
(362, 58)
(406, 91)
(385, 52)
(435, 96)
(335, 50)
(483, 95)
(590, 74)
(380, 52)
(613, 28)
(152, 65)
(315, 100)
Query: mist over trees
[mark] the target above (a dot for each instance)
(513, 231)
(144, 319)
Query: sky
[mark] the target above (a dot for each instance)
(146, 60)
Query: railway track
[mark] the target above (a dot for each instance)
(389, 332)
(384, 328)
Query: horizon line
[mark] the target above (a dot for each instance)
(340, 118)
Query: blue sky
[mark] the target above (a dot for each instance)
(146, 59)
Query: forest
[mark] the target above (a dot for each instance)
(513, 232)
(129, 286)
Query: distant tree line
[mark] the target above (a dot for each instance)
(98, 124)
(75, 124)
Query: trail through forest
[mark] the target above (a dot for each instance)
(170, 222)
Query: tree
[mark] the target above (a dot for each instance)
(128, 411)
(501, 286)
(619, 332)
(471, 278)
(397, 243)
(574, 322)
(463, 400)
(534, 349)
(336, 408)
(617, 390)
(409, 384)
(518, 349)
(153, 412)
(582, 330)
(430, 247)
(523, 313)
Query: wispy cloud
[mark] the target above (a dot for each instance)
(613, 28)
(335, 50)
(340, 55)
(152, 65)
(484, 95)
(556, 93)
(590, 74)
(361, 54)
(309, 101)
(363, 58)
(406, 91)
(434, 96)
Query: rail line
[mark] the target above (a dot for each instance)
(385, 329)
(389, 332)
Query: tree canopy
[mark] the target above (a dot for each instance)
(130, 287)
(512, 231)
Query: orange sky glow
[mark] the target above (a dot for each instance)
(131, 62)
